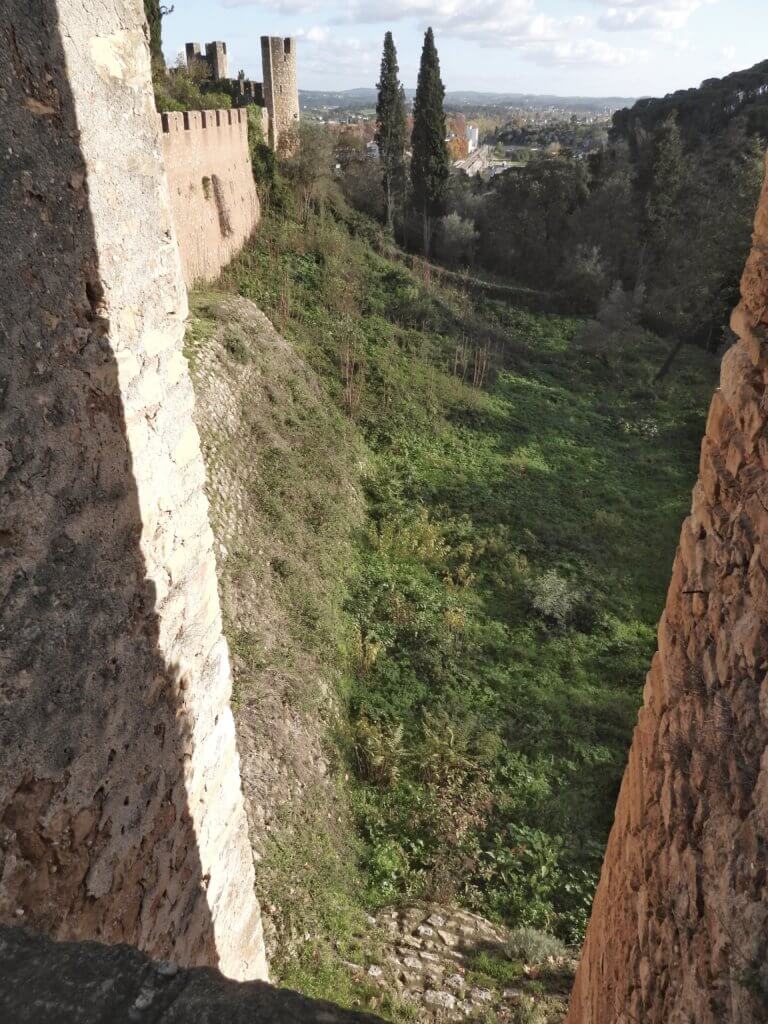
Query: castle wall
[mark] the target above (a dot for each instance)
(281, 90)
(121, 812)
(213, 194)
(679, 928)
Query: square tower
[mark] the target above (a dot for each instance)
(192, 51)
(218, 62)
(281, 90)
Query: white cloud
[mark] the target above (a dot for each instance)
(644, 15)
(280, 6)
(324, 53)
(513, 24)
(583, 52)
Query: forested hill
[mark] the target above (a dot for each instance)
(703, 112)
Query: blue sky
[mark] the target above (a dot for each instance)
(568, 47)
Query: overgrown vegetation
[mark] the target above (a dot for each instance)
(524, 494)
(187, 88)
(665, 211)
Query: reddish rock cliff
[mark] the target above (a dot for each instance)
(679, 929)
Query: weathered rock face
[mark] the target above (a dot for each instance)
(679, 929)
(43, 982)
(121, 813)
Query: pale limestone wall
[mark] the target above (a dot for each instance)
(121, 813)
(281, 89)
(679, 928)
(213, 194)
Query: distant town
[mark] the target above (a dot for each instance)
(487, 134)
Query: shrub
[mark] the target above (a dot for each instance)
(527, 1011)
(236, 345)
(456, 240)
(378, 750)
(533, 946)
(183, 89)
(263, 159)
(553, 597)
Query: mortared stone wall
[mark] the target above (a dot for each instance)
(213, 193)
(679, 928)
(121, 811)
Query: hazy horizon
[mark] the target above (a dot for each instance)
(621, 48)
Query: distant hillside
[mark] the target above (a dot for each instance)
(361, 98)
(705, 111)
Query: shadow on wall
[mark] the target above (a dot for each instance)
(96, 835)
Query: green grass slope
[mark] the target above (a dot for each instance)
(487, 623)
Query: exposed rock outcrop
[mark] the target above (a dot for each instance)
(43, 982)
(679, 929)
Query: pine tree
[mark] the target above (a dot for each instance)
(391, 128)
(154, 15)
(430, 165)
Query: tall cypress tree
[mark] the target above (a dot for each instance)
(154, 20)
(391, 128)
(430, 164)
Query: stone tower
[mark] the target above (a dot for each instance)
(121, 813)
(281, 91)
(217, 60)
(215, 57)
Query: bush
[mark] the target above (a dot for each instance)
(528, 1012)
(553, 597)
(379, 752)
(456, 241)
(585, 279)
(183, 89)
(263, 159)
(533, 946)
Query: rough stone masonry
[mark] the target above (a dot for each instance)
(121, 814)
(281, 91)
(679, 929)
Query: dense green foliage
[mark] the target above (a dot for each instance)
(430, 164)
(188, 88)
(665, 210)
(524, 495)
(154, 22)
(704, 112)
(391, 124)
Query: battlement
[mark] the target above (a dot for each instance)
(279, 92)
(213, 195)
(243, 91)
(172, 122)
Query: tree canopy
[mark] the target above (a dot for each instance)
(430, 163)
(391, 128)
(154, 15)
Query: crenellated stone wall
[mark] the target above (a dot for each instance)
(121, 812)
(213, 194)
(679, 928)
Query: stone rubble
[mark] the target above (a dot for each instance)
(428, 962)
